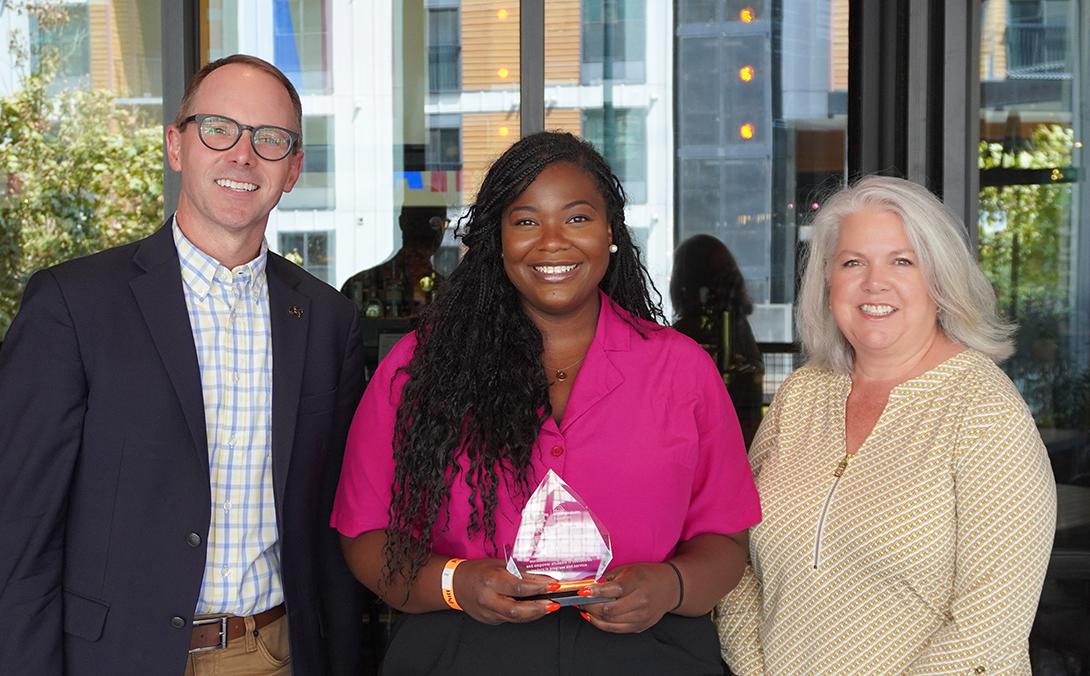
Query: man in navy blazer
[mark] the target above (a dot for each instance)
(172, 421)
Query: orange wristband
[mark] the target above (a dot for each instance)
(448, 583)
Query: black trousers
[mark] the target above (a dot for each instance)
(560, 644)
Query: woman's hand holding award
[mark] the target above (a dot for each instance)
(560, 536)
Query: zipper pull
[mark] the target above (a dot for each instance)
(841, 466)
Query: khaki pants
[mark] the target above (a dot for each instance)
(266, 654)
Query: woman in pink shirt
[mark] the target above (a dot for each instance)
(545, 351)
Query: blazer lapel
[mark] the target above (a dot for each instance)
(161, 299)
(289, 317)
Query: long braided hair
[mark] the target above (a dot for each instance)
(475, 382)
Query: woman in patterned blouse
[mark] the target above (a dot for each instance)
(909, 505)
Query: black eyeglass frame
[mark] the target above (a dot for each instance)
(199, 118)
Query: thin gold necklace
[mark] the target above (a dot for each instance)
(561, 374)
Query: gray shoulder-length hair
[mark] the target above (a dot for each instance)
(966, 301)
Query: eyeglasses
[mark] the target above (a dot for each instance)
(222, 133)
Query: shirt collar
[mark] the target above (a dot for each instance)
(200, 271)
(613, 333)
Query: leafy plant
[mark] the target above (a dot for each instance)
(78, 172)
(1024, 251)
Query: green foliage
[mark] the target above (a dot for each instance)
(1025, 232)
(1024, 228)
(78, 174)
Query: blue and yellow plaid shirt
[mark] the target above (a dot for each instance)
(229, 314)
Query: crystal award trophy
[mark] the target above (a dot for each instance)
(560, 537)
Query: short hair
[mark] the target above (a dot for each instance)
(422, 226)
(245, 60)
(966, 300)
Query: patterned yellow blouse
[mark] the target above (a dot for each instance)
(924, 553)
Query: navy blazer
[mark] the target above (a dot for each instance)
(104, 467)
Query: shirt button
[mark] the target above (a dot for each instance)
(193, 540)
(225, 571)
(236, 377)
(227, 506)
(557, 451)
(177, 622)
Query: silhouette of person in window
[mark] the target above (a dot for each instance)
(710, 306)
(404, 284)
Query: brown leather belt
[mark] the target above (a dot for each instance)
(212, 633)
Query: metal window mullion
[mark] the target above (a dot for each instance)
(961, 112)
(531, 66)
(867, 151)
(918, 146)
(180, 34)
(1080, 287)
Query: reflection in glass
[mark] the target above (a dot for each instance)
(614, 41)
(621, 135)
(113, 46)
(720, 118)
(753, 150)
(712, 307)
(1033, 237)
(81, 90)
(300, 43)
(403, 285)
(219, 31)
(309, 250)
(315, 187)
(444, 49)
(70, 43)
(605, 69)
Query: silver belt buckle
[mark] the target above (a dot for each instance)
(222, 621)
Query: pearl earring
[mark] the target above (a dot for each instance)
(612, 248)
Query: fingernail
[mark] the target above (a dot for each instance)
(552, 607)
(585, 616)
(586, 591)
(554, 586)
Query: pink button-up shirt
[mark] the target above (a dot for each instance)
(649, 440)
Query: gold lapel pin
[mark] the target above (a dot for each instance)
(295, 311)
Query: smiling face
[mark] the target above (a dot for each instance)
(877, 289)
(229, 194)
(556, 238)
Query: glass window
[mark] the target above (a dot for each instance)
(488, 101)
(301, 43)
(737, 116)
(315, 188)
(123, 57)
(444, 151)
(81, 92)
(309, 250)
(740, 160)
(68, 42)
(614, 41)
(444, 50)
(405, 105)
(1034, 244)
(621, 135)
(220, 31)
(607, 79)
